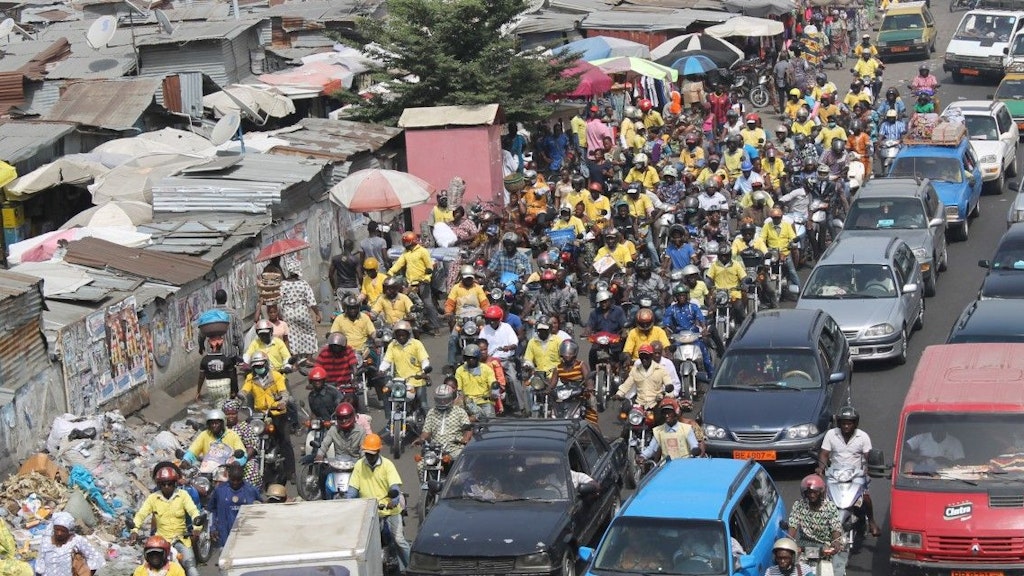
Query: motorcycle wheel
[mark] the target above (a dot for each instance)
(601, 389)
(427, 501)
(203, 547)
(759, 97)
(308, 483)
(633, 472)
(397, 436)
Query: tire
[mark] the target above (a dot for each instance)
(396, 439)
(930, 282)
(995, 188)
(759, 97)
(633, 472)
(203, 547)
(1012, 170)
(958, 78)
(601, 390)
(568, 564)
(919, 321)
(944, 262)
(427, 501)
(307, 482)
(904, 344)
(962, 231)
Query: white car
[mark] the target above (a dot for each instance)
(994, 137)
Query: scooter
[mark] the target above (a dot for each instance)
(818, 557)
(887, 152)
(569, 401)
(689, 361)
(845, 487)
(856, 175)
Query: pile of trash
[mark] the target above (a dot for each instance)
(96, 468)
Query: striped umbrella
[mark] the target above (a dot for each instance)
(377, 190)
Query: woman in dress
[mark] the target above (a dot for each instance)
(61, 544)
(299, 309)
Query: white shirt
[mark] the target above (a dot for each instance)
(673, 376)
(846, 454)
(716, 200)
(745, 184)
(653, 447)
(925, 445)
(496, 339)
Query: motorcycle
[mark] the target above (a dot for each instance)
(689, 360)
(436, 462)
(724, 321)
(887, 152)
(856, 175)
(269, 453)
(757, 271)
(203, 479)
(818, 233)
(538, 385)
(405, 418)
(955, 5)
(640, 423)
(776, 271)
(818, 557)
(845, 487)
(605, 379)
(570, 401)
(760, 95)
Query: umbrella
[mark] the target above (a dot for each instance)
(602, 47)
(696, 64)
(280, 248)
(127, 215)
(745, 26)
(637, 65)
(165, 141)
(71, 169)
(721, 59)
(7, 173)
(45, 249)
(695, 41)
(377, 190)
(592, 80)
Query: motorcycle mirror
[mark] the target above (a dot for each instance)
(783, 525)
(670, 388)
(393, 493)
(239, 453)
(876, 463)
(302, 403)
(434, 486)
(179, 453)
(695, 452)
(314, 445)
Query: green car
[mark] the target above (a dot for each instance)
(908, 29)
(1011, 93)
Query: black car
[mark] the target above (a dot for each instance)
(509, 505)
(782, 378)
(1005, 278)
(989, 321)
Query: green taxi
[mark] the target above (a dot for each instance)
(1011, 93)
(907, 29)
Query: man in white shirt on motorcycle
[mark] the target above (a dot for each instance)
(847, 446)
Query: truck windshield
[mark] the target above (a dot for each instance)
(636, 545)
(962, 447)
(903, 22)
(981, 27)
(931, 167)
(1011, 89)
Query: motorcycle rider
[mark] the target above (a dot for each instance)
(597, 205)
(409, 358)
(714, 171)
(446, 423)
(924, 80)
(157, 552)
(892, 128)
(803, 124)
(758, 208)
(780, 235)
(393, 305)
(847, 445)
(645, 284)
(374, 476)
(642, 173)
(372, 285)
(550, 300)
(268, 392)
(743, 184)
(616, 250)
(672, 439)
(510, 260)
(644, 332)
(685, 316)
(216, 432)
(475, 381)
(785, 552)
(773, 168)
(691, 153)
(646, 380)
(346, 437)
(465, 299)
(250, 439)
(323, 400)
(753, 134)
(273, 348)
(171, 507)
(542, 349)
(892, 102)
(734, 157)
(418, 267)
(814, 520)
(728, 274)
(356, 325)
(828, 111)
(607, 316)
(860, 144)
(338, 360)
(571, 370)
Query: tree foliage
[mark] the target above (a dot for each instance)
(459, 51)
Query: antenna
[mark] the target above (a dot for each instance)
(101, 32)
(9, 25)
(226, 128)
(164, 21)
(244, 109)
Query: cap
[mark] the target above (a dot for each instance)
(543, 326)
(646, 349)
(890, 114)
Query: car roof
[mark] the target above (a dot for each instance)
(975, 106)
(906, 7)
(1014, 235)
(509, 434)
(935, 150)
(971, 376)
(889, 187)
(873, 249)
(708, 483)
(988, 318)
(1013, 76)
(777, 328)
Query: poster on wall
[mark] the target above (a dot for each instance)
(325, 233)
(242, 296)
(160, 334)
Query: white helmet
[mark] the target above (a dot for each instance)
(631, 111)
(602, 295)
(640, 158)
(670, 171)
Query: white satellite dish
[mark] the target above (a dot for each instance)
(244, 108)
(225, 129)
(6, 27)
(101, 32)
(164, 21)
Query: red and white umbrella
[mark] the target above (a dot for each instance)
(377, 190)
(281, 247)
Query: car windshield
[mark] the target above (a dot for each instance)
(635, 545)
(961, 338)
(962, 447)
(902, 22)
(931, 167)
(1009, 256)
(1011, 89)
(502, 477)
(768, 370)
(991, 27)
(981, 127)
(851, 281)
(886, 214)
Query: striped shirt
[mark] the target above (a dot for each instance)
(339, 367)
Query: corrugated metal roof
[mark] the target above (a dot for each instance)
(285, 170)
(12, 90)
(440, 116)
(580, 6)
(191, 195)
(315, 11)
(199, 11)
(41, 97)
(13, 284)
(170, 268)
(211, 237)
(21, 139)
(48, 14)
(296, 54)
(112, 104)
(202, 31)
(651, 20)
(547, 21)
(89, 67)
(670, 5)
(22, 346)
(336, 140)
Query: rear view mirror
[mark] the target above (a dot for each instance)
(836, 377)
(876, 463)
(588, 489)
(585, 553)
(984, 263)
(909, 288)
(935, 222)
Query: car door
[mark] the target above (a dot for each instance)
(602, 465)
(1008, 134)
(970, 162)
(772, 514)
(934, 209)
(908, 272)
(748, 520)
(586, 510)
(833, 397)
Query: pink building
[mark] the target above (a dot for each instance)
(447, 141)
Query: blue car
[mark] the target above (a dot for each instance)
(694, 516)
(955, 173)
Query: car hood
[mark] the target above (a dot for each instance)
(983, 148)
(914, 237)
(898, 35)
(854, 314)
(952, 193)
(765, 409)
(1008, 284)
(471, 528)
(1015, 107)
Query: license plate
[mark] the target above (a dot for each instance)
(763, 455)
(976, 573)
(901, 49)
(969, 72)
(1020, 125)
(854, 350)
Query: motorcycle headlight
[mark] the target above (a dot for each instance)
(801, 431)
(430, 459)
(201, 484)
(470, 329)
(714, 432)
(535, 560)
(257, 426)
(398, 390)
(635, 418)
(601, 285)
(604, 340)
(721, 297)
(880, 330)
(315, 424)
(563, 393)
(898, 538)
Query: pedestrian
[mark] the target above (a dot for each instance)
(343, 273)
(63, 550)
(783, 73)
(374, 245)
(227, 499)
(299, 309)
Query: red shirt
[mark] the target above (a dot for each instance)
(719, 106)
(339, 367)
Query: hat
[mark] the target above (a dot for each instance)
(543, 326)
(890, 114)
(64, 519)
(746, 166)
(231, 405)
(866, 37)
(646, 349)
(370, 263)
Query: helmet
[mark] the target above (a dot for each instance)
(690, 269)
(821, 77)
(337, 339)
(838, 145)
(471, 351)
(645, 349)
(165, 474)
(259, 358)
(530, 174)
(795, 92)
(346, 416)
(855, 126)
(264, 326)
(786, 544)
(510, 237)
(714, 159)
(317, 373)
(712, 247)
(645, 105)
(680, 290)
(629, 111)
(669, 404)
(801, 115)
(568, 348)
(691, 139)
(494, 312)
(393, 282)
(760, 197)
(645, 317)
(372, 443)
(732, 113)
(467, 272)
(782, 129)
(746, 166)
(578, 181)
(408, 238)
(891, 92)
(848, 413)
(548, 275)
(691, 204)
(635, 113)
(747, 227)
(444, 396)
(611, 233)
(643, 265)
(402, 326)
(633, 188)
(350, 302)
(277, 491)
(669, 171)
(924, 68)
(812, 482)
(640, 158)
(602, 295)
(370, 263)
(823, 170)
(856, 85)
(736, 139)
(724, 250)
(891, 113)
(158, 543)
(215, 414)
(596, 187)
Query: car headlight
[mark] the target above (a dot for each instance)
(997, 60)
(1016, 216)
(712, 431)
(989, 159)
(424, 562)
(905, 539)
(921, 254)
(880, 330)
(800, 432)
(535, 560)
(952, 212)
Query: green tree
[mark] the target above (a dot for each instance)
(459, 51)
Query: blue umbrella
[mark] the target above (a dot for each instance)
(597, 47)
(696, 64)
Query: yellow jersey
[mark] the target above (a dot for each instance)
(573, 222)
(375, 482)
(439, 214)
(460, 297)
(372, 288)
(648, 177)
(543, 355)
(171, 569)
(267, 399)
(475, 388)
(357, 331)
(408, 360)
(393, 310)
(635, 339)
(417, 265)
(575, 197)
(597, 209)
(755, 137)
(622, 255)
(169, 513)
(640, 207)
(277, 351)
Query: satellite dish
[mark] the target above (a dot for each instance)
(6, 27)
(225, 129)
(101, 32)
(244, 108)
(164, 21)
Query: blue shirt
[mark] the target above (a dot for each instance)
(681, 318)
(681, 256)
(518, 264)
(614, 321)
(225, 503)
(514, 321)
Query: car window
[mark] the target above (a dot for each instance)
(823, 356)
(577, 462)
(969, 160)
(765, 494)
(905, 264)
(928, 18)
(1003, 116)
(592, 446)
(752, 513)
(739, 530)
(839, 345)
(897, 213)
(931, 202)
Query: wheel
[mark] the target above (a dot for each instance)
(977, 208)
(396, 439)
(427, 501)
(919, 321)
(929, 283)
(944, 261)
(962, 231)
(958, 78)
(615, 507)
(204, 546)
(996, 187)
(568, 564)
(308, 482)
(759, 97)
(902, 358)
(600, 388)
(1012, 170)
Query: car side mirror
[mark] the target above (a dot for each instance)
(747, 562)
(1006, 50)
(588, 489)
(984, 263)
(935, 222)
(836, 377)
(784, 525)
(585, 553)
(876, 463)
(909, 288)
(970, 179)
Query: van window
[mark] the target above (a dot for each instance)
(739, 531)
(1016, 49)
(983, 27)
(946, 448)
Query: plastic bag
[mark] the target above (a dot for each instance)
(65, 424)
(444, 235)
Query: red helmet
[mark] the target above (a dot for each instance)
(596, 187)
(646, 105)
(812, 482)
(753, 118)
(165, 474)
(548, 275)
(408, 238)
(669, 404)
(346, 416)
(494, 313)
(158, 543)
(317, 373)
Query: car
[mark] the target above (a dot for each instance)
(909, 208)
(980, 44)
(508, 504)
(783, 376)
(907, 29)
(1005, 277)
(952, 167)
(1011, 93)
(726, 501)
(985, 321)
(1016, 211)
(872, 287)
(994, 137)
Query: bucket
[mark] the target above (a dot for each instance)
(514, 182)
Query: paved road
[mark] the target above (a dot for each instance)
(878, 391)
